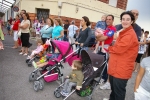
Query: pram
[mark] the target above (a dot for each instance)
(52, 71)
(93, 67)
(29, 61)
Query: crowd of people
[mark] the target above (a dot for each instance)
(129, 53)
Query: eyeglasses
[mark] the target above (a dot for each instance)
(137, 14)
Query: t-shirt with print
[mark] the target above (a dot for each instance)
(27, 29)
(141, 47)
(56, 31)
(110, 30)
(145, 83)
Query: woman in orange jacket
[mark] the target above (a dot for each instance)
(122, 57)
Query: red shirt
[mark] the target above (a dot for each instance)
(16, 25)
(110, 30)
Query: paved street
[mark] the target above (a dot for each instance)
(14, 84)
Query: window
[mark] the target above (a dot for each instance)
(113, 3)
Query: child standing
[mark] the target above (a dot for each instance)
(37, 50)
(74, 79)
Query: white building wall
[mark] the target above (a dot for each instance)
(91, 8)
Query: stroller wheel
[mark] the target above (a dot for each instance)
(27, 60)
(57, 94)
(36, 85)
(41, 84)
(29, 65)
(32, 77)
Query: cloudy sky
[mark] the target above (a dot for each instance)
(143, 6)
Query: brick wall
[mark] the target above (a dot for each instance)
(122, 4)
(77, 21)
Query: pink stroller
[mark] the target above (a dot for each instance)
(52, 71)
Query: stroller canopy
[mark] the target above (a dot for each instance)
(63, 47)
(91, 58)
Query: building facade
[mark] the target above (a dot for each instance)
(73, 9)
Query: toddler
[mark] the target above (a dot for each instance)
(37, 50)
(100, 28)
(74, 79)
(43, 61)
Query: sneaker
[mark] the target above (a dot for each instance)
(105, 86)
(105, 99)
(102, 81)
(21, 53)
(25, 54)
(64, 93)
(34, 64)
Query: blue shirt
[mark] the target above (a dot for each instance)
(57, 31)
(101, 24)
(46, 31)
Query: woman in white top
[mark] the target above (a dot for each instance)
(24, 27)
(140, 52)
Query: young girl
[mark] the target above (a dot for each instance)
(37, 50)
(37, 26)
(142, 83)
(49, 57)
(74, 79)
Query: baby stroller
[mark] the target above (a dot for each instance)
(92, 68)
(52, 71)
(29, 61)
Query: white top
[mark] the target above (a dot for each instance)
(27, 29)
(72, 30)
(142, 48)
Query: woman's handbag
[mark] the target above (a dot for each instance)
(19, 33)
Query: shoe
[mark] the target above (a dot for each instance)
(21, 53)
(102, 81)
(34, 64)
(64, 93)
(25, 54)
(105, 86)
(105, 99)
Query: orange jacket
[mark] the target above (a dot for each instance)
(123, 54)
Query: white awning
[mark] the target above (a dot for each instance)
(5, 5)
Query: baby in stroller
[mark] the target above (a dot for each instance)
(74, 79)
(37, 50)
(45, 61)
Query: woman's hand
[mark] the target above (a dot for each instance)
(77, 43)
(81, 45)
(78, 88)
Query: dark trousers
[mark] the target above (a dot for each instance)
(118, 88)
(105, 75)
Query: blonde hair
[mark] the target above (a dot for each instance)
(39, 41)
(59, 21)
(77, 64)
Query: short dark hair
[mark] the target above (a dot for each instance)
(130, 14)
(24, 10)
(111, 16)
(142, 30)
(147, 32)
(86, 19)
